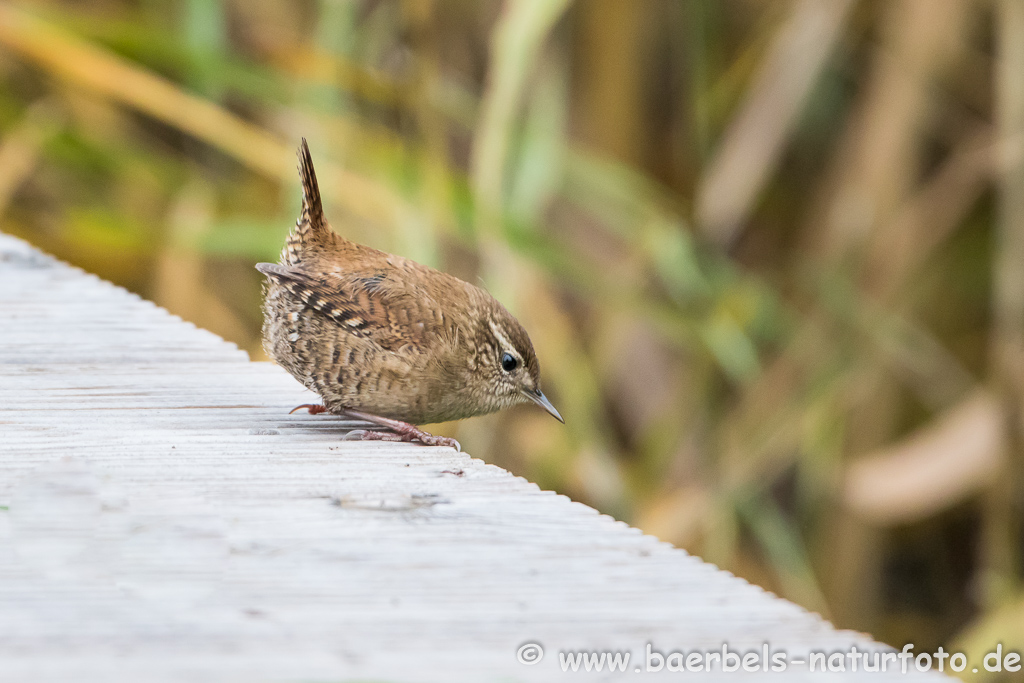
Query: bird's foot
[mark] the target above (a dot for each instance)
(311, 407)
(397, 431)
(416, 434)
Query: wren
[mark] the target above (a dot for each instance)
(386, 340)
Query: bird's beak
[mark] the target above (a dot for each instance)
(540, 399)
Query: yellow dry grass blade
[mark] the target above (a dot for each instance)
(88, 66)
(952, 457)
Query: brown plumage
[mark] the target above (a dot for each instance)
(385, 339)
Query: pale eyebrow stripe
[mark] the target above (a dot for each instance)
(504, 341)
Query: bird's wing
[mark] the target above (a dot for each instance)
(372, 306)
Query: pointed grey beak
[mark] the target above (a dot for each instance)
(540, 399)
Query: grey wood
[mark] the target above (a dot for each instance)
(165, 519)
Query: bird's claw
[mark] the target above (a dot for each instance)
(313, 408)
(359, 435)
(431, 440)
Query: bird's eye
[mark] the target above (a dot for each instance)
(508, 362)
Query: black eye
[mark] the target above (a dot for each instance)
(508, 362)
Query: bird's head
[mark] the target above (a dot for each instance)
(508, 362)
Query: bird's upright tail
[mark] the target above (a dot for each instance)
(311, 229)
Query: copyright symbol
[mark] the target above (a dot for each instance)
(530, 654)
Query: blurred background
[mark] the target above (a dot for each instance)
(771, 254)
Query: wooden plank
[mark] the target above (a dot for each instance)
(164, 518)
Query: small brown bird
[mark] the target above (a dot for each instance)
(386, 340)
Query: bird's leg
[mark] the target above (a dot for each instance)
(399, 431)
(311, 407)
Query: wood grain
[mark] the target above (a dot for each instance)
(165, 519)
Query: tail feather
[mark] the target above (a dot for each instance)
(312, 207)
(311, 227)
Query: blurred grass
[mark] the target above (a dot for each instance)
(755, 244)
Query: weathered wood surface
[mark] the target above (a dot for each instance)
(164, 518)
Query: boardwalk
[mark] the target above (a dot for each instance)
(164, 519)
